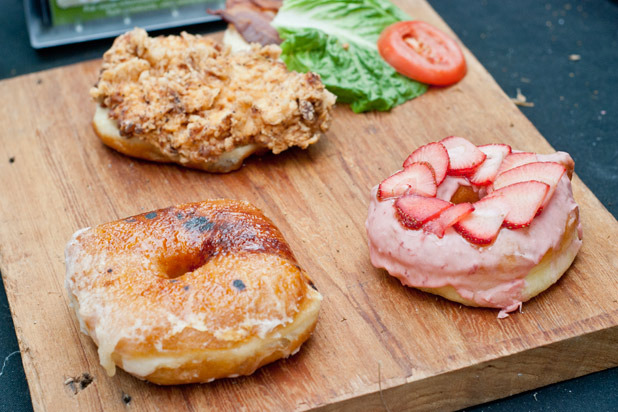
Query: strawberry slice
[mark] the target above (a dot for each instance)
(487, 172)
(482, 225)
(523, 201)
(512, 206)
(464, 157)
(413, 210)
(417, 178)
(549, 173)
(448, 218)
(516, 159)
(433, 153)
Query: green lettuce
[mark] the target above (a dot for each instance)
(338, 40)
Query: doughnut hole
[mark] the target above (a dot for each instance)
(186, 252)
(175, 266)
(465, 194)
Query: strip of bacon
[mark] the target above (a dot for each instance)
(252, 19)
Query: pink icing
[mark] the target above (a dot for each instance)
(480, 274)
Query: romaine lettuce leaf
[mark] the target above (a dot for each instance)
(338, 40)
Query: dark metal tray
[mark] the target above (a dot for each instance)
(42, 34)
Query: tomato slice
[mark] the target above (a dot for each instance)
(421, 52)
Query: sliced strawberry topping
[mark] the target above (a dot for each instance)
(464, 157)
(433, 153)
(448, 218)
(523, 201)
(512, 206)
(549, 173)
(417, 178)
(516, 159)
(488, 170)
(519, 186)
(413, 211)
(482, 225)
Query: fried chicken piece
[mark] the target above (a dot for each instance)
(186, 99)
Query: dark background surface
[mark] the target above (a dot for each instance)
(525, 45)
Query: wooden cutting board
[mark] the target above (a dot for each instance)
(378, 344)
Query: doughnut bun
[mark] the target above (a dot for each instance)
(108, 132)
(190, 293)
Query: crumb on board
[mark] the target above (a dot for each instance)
(78, 383)
(520, 100)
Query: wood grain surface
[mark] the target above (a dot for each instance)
(378, 344)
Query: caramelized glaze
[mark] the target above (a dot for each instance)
(207, 275)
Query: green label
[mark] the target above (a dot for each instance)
(78, 11)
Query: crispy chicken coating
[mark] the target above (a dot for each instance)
(194, 100)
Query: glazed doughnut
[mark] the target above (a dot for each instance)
(482, 226)
(190, 293)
